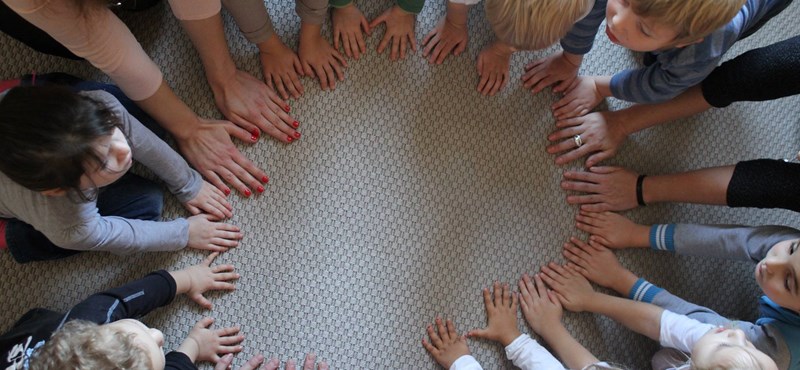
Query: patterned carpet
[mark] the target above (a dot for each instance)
(407, 193)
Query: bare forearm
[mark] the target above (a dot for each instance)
(643, 318)
(705, 186)
(457, 14)
(208, 37)
(603, 84)
(641, 116)
(170, 112)
(572, 353)
(182, 281)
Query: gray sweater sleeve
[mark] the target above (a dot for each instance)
(742, 243)
(154, 153)
(252, 18)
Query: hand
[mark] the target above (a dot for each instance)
(581, 97)
(198, 279)
(600, 136)
(540, 306)
(210, 150)
(399, 32)
(212, 201)
(253, 106)
(594, 262)
(493, 65)
(613, 230)
(559, 68)
(204, 344)
(446, 346)
(348, 23)
(211, 235)
(281, 67)
(319, 58)
(573, 290)
(501, 313)
(308, 364)
(445, 38)
(609, 188)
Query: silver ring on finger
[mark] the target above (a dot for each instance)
(578, 141)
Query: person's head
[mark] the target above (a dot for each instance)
(651, 25)
(728, 349)
(54, 141)
(534, 24)
(124, 344)
(778, 274)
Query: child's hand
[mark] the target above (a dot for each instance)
(399, 32)
(319, 58)
(601, 135)
(446, 346)
(613, 230)
(198, 279)
(308, 364)
(282, 68)
(573, 290)
(204, 344)
(212, 235)
(560, 68)
(581, 97)
(348, 23)
(226, 362)
(210, 200)
(609, 188)
(501, 312)
(493, 65)
(598, 264)
(445, 38)
(540, 306)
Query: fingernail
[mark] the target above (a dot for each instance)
(247, 192)
(296, 135)
(264, 179)
(255, 132)
(253, 138)
(287, 108)
(289, 139)
(227, 191)
(260, 189)
(295, 124)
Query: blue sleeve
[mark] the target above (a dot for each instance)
(178, 361)
(581, 37)
(733, 242)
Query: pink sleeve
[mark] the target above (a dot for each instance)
(192, 10)
(99, 37)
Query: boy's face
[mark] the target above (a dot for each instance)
(150, 340)
(726, 348)
(777, 274)
(631, 31)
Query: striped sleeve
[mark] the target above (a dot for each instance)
(662, 237)
(643, 291)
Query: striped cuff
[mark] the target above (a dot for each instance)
(662, 237)
(643, 291)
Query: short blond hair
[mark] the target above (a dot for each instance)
(534, 24)
(692, 19)
(86, 345)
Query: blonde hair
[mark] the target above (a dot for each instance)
(86, 345)
(691, 19)
(534, 24)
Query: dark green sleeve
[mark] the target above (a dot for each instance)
(340, 3)
(411, 6)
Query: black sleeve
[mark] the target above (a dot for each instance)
(178, 361)
(765, 183)
(130, 301)
(760, 74)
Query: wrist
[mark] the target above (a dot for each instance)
(457, 14)
(183, 283)
(574, 59)
(190, 347)
(509, 337)
(270, 45)
(502, 48)
(623, 283)
(310, 31)
(552, 331)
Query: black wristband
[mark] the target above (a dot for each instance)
(639, 196)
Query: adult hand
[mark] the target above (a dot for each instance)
(560, 68)
(609, 188)
(319, 58)
(447, 37)
(209, 149)
(399, 32)
(282, 68)
(493, 65)
(601, 136)
(581, 97)
(253, 106)
(348, 25)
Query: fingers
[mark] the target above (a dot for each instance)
(541, 290)
(209, 259)
(309, 361)
(272, 364)
(387, 38)
(442, 329)
(451, 329)
(487, 300)
(291, 365)
(506, 302)
(202, 301)
(436, 340)
(204, 323)
(224, 362)
(251, 364)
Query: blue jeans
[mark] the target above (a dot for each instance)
(130, 197)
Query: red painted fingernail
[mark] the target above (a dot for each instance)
(287, 108)
(295, 124)
(264, 179)
(296, 135)
(255, 132)
(247, 192)
(254, 138)
(227, 191)
(289, 139)
(260, 189)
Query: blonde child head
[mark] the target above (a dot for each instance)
(86, 345)
(534, 24)
(728, 349)
(692, 20)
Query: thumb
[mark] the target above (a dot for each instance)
(375, 22)
(479, 333)
(202, 301)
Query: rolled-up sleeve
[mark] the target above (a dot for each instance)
(192, 10)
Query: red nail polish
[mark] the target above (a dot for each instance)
(247, 192)
(295, 124)
(254, 138)
(296, 135)
(289, 139)
(287, 108)
(255, 132)
(260, 189)
(264, 179)
(227, 191)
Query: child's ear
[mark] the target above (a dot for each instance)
(685, 44)
(54, 192)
